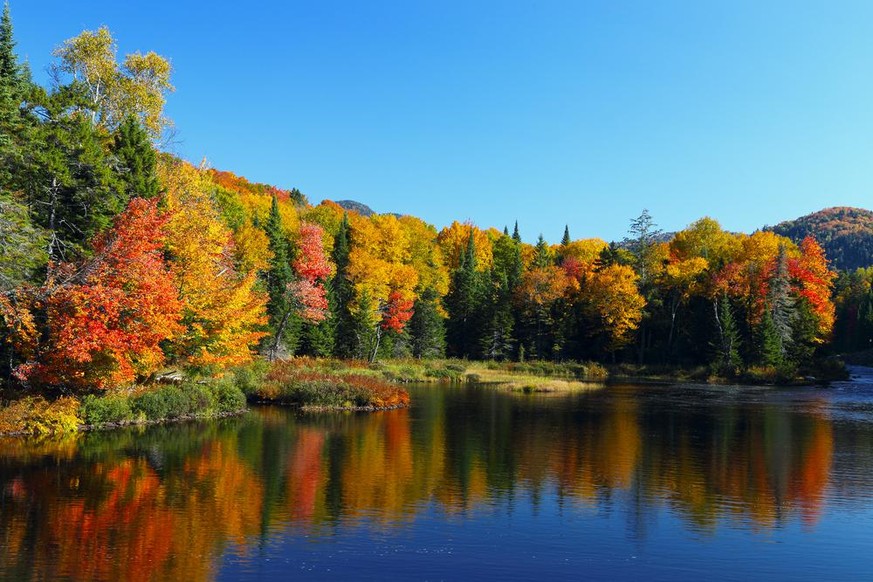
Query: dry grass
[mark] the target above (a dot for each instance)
(522, 382)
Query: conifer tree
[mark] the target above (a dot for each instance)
(134, 151)
(728, 341)
(280, 308)
(463, 303)
(565, 240)
(426, 327)
(542, 254)
(70, 185)
(782, 306)
(341, 294)
(16, 125)
(515, 234)
(769, 344)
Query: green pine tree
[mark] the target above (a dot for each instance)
(341, 294)
(16, 123)
(464, 305)
(137, 158)
(283, 321)
(782, 305)
(769, 343)
(565, 240)
(728, 340)
(426, 327)
(542, 254)
(70, 185)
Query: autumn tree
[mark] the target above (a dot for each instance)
(309, 293)
(223, 310)
(613, 301)
(381, 268)
(107, 318)
(108, 91)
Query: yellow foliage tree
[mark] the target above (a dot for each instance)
(223, 312)
(614, 301)
(453, 241)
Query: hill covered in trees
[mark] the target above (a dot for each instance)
(845, 233)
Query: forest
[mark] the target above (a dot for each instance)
(119, 261)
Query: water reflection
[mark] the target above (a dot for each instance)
(168, 502)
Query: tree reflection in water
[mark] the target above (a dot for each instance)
(168, 502)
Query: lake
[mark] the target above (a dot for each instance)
(621, 482)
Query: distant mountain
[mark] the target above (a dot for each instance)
(355, 206)
(845, 234)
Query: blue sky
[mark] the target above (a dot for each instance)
(546, 112)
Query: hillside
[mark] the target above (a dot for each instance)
(355, 206)
(845, 233)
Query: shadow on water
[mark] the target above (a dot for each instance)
(198, 501)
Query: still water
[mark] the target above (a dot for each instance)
(619, 483)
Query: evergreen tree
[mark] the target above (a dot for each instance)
(769, 343)
(728, 341)
(565, 240)
(497, 340)
(70, 185)
(283, 322)
(782, 306)
(137, 159)
(542, 254)
(464, 302)
(317, 339)
(499, 331)
(341, 294)
(515, 235)
(426, 327)
(8, 60)
(16, 124)
(803, 335)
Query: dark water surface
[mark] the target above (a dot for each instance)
(620, 483)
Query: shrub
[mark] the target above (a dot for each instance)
(443, 373)
(165, 403)
(228, 397)
(38, 416)
(98, 410)
(286, 383)
(249, 379)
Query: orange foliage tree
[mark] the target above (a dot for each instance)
(106, 318)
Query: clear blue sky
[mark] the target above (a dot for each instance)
(549, 112)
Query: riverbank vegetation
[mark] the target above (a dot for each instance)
(190, 399)
(119, 261)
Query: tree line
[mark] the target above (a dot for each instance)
(118, 260)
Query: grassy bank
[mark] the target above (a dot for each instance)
(320, 385)
(331, 384)
(38, 416)
(538, 376)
